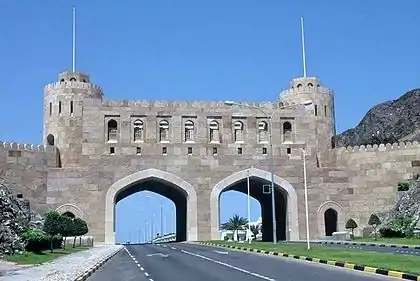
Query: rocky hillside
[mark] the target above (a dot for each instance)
(15, 217)
(388, 122)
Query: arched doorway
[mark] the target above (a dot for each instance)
(330, 220)
(68, 214)
(285, 200)
(70, 210)
(166, 184)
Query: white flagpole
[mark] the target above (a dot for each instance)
(74, 39)
(303, 47)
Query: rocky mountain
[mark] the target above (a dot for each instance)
(15, 217)
(388, 122)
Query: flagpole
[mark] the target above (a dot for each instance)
(74, 40)
(303, 46)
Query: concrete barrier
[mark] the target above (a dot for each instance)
(165, 238)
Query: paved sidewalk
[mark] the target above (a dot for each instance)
(66, 268)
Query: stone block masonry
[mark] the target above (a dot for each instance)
(99, 151)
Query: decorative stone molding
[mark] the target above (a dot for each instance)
(70, 208)
(292, 224)
(134, 178)
(321, 212)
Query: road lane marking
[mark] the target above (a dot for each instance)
(229, 266)
(173, 248)
(138, 265)
(158, 254)
(222, 253)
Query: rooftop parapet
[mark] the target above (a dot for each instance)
(183, 104)
(94, 89)
(306, 85)
(377, 148)
(27, 147)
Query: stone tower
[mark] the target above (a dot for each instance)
(63, 113)
(304, 89)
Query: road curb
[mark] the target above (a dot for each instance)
(94, 268)
(391, 273)
(416, 247)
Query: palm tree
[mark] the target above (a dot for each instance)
(235, 223)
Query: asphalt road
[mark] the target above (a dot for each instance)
(415, 252)
(182, 261)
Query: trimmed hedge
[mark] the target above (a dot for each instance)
(37, 240)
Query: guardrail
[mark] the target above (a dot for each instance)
(165, 238)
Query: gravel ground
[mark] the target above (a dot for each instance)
(66, 268)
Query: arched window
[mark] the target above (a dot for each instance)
(112, 130)
(72, 79)
(189, 131)
(299, 86)
(50, 139)
(263, 131)
(214, 131)
(238, 128)
(287, 131)
(281, 104)
(310, 85)
(163, 130)
(138, 130)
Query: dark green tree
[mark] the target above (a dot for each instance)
(351, 224)
(374, 221)
(52, 226)
(66, 228)
(81, 229)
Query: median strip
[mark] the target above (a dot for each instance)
(379, 263)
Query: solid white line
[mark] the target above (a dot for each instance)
(228, 265)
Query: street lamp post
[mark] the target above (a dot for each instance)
(249, 207)
(271, 160)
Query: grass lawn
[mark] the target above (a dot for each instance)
(38, 258)
(401, 241)
(398, 262)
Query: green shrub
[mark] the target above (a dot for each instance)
(387, 232)
(37, 240)
(403, 186)
(351, 224)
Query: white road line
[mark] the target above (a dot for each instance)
(138, 265)
(228, 265)
(141, 268)
(147, 274)
(173, 248)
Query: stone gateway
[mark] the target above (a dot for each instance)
(96, 152)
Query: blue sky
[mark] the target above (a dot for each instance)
(367, 51)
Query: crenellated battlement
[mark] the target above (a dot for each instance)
(307, 89)
(375, 147)
(75, 85)
(183, 104)
(27, 147)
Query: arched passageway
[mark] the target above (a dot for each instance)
(181, 193)
(257, 186)
(285, 202)
(330, 220)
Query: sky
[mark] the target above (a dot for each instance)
(366, 51)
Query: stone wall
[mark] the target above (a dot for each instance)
(24, 170)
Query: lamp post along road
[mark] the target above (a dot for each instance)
(271, 160)
(249, 207)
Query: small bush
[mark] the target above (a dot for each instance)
(37, 240)
(403, 186)
(387, 232)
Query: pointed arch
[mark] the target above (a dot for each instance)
(137, 177)
(323, 208)
(71, 208)
(289, 191)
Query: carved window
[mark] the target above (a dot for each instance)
(163, 130)
(287, 132)
(189, 131)
(214, 131)
(238, 129)
(138, 130)
(263, 131)
(112, 130)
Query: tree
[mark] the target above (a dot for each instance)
(235, 223)
(351, 224)
(374, 221)
(81, 228)
(52, 226)
(66, 228)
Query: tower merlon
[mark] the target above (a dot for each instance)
(306, 85)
